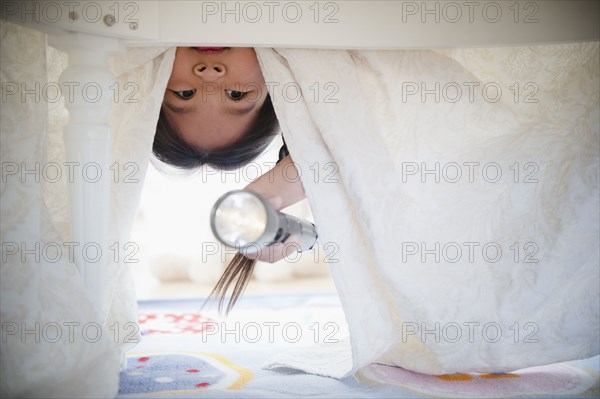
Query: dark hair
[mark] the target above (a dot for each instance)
(239, 270)
(169, 148)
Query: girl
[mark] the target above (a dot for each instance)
(217, 111)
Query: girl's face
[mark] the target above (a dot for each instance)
(214, 94)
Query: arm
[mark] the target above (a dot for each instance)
(282, 187)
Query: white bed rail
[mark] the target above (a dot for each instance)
(360, 24)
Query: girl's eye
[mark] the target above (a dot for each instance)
(236, 95)
(185, 94)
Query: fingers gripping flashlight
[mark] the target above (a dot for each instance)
(245, 220)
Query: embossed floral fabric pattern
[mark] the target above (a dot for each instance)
(42, 294)
(464, 207)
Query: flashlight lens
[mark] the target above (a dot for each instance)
(240, 219)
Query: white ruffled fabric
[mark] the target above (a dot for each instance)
(39, 295)
(368, 136)
(485, 312)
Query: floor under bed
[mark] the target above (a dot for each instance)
(186, 351)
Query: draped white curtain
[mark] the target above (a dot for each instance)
(71, 349)
(464, 209)
(357, 116)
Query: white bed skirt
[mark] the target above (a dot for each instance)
(57, 341)
(456, 195)
(364, 129)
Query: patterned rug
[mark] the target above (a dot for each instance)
(554, 380)
(180, 373)
(181, 355)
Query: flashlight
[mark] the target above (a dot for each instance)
(247, 221)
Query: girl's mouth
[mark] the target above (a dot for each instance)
(210, 50)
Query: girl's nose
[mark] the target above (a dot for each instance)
(209, 72)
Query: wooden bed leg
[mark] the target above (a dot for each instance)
(89, 91)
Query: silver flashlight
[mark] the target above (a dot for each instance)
(245, 220)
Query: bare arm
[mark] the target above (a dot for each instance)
(282, 187)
